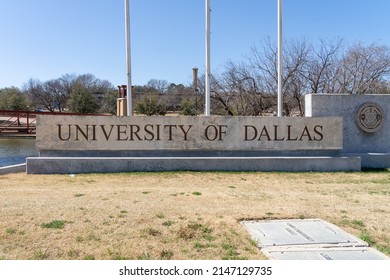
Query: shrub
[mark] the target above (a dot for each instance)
(150, 105)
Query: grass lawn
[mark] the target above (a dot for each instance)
(179, 215)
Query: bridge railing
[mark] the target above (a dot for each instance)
(17, 122)
(24, 122)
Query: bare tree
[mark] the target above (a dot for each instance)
(54, 94)
(41, 99)
(321, 68)
(222, 97)
(244, 90)
(160, 86)
(56, 91)
(326, 67)
(362, 68)
(264, 60)
(295, 58)
(294, 84)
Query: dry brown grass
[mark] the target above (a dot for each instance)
(179, 215)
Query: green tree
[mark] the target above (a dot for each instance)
(150, 105)
(13, 99)
(82, 101)
(109, 103)
(188, 107)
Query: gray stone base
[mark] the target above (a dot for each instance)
(374, 160)
(13, 169)
(73, 165)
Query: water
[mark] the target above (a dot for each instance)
(15, 151)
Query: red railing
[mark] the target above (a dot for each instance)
(17, 122)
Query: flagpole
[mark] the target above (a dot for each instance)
(128, 59)
(280, 59)
(207, 74)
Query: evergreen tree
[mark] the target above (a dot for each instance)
(82, 101)
(150, 105)
(13, 99)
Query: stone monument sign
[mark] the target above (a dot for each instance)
(339, 133)
(85, 144)
(80, 133)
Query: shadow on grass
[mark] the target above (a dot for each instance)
(376, 170)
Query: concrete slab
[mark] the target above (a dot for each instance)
(309, 239)
(326, 254)
(300, 232)
(68, 165)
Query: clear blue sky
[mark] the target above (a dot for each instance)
(45, 39)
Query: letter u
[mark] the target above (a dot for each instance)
(60, 132)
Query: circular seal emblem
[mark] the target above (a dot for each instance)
(369, 117)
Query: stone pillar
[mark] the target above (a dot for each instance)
(121, 102)
(366, 122)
